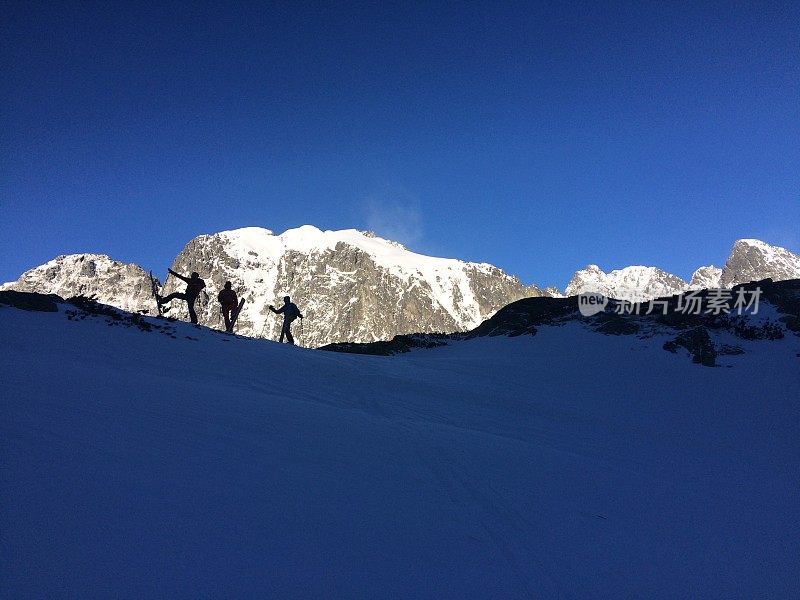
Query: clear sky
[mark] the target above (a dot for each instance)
(537, 136)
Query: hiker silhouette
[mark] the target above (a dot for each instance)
(290, 312)
(227, 298)
(194, 285)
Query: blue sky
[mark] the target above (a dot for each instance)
(535, 136)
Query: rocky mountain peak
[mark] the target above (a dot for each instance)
(351, 286)
(751, 260)
(125, 286)
(634, 283)
(358, 287)
(705, 278)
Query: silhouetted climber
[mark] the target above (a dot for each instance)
(230, 302)
(194, 285)
(290, 313)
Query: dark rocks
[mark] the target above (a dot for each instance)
(31, 301)
(729, 350)
(698, 342)
(767, 330)
(522, 317)
(615, 324)
(399, 344)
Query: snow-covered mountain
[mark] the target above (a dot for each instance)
(707, 277)
(125, 286)
(147, 458)
(749, 260)
(357, 287)
(635, 283)
(350, 285)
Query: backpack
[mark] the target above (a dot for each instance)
(291, 311)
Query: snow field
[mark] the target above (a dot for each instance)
(569, 463)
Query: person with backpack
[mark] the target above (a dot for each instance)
(194, 285)
(290, 313)
(227, 298)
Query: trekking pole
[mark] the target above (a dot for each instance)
(261, 335)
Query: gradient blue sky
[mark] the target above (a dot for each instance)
(535, 136)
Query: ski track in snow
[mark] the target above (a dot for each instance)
(568, 464)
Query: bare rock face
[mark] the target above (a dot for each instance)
(753, 260)
(351, 286)
(125, 286)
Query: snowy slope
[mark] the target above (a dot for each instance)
(567, 464)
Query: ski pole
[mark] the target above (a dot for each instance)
(263, 327)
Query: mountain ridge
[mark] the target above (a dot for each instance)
(748, 260)
(359, 287)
